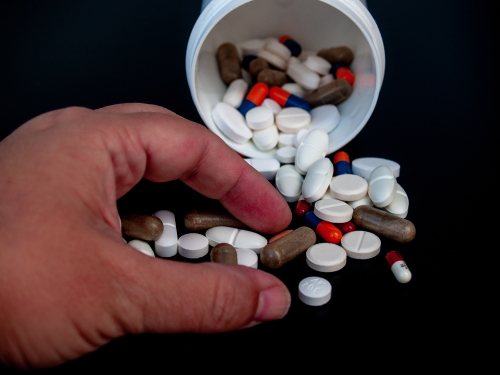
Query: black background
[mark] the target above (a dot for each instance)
(435, 116)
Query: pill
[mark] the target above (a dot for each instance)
(293, 119)
(327, 195)
(273, 59)
(272, 77)
(289, 183)
(201, 221)
(247, 258)
(346, 227)
(245, 64)
(224, 253)
(399, 206)
(166, 245)
(254, 98)
(236, 237)
(335, 92)
(384, 224)
(279, 235)
(266, 139)
(302, 207)
(305, 54)
(286, 99)
(294, 89)
(231, 123)
(292, 45)
(293, 60)
(315, 291)
(284, 38)
(333, 211)
(193, 245)
(286, 140)
(304, 76)
(247, 77)
(341, 163)
(252, 46)
(326, 230)
(286, 155)
(287, 248)
(259, 118)
(278, 49)
(257, 65)
(326, 257)
(326, 79)
(317, 180)
(326, 117)
(312, 147)
(361, 245)
(398, 267)
(268, 167)
(272, 105)
(299, 136)
(318, 64)
(346, 74)
(348, 187)
(235, 93)
(142, 246)
(337, 55)
(364, 166)
(382, 186)
(365, 201)
(229, 63)
(142, 227)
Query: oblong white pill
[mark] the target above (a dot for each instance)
(317, 64)
(285, 140)
(364, 166)
(259, 118)
(236, 237)
(267, 167)
(143, 247)
(315, 291)
(292, 119)
(317, 180)
(325, 80)
(360, 244)
(166, 245)
(365, 201)
(231, 122)
(312, 147)
(266, 139)
(247, 257)
(252, 46)
(278, 49)
(286, 155)
(333, 210)
(382, 186)
(193, 245)
(326, 257)
(289, 183)
(272, 105)
(348, 187)
(273, 59)
(295, 89)
(304, 76)
(236, 92)
(326, 117)
(399, 206)
(299, 136)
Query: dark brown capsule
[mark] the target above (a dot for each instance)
(257, 65)
(224, 253)
(337, 55)
(384, 224)
(142, 227)
(201, 221)
(334, 93)
(288, 247)
(272, 77)
(229, 63)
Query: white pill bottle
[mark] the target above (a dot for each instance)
(315, 25)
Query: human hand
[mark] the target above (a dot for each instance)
(69, 283)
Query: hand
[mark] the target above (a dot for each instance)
(69, 283)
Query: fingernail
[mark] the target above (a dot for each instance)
(273, 304)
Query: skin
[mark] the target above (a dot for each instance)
(69, 283)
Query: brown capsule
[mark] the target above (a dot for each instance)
(334, 93)
(224, 253)
(287, 247)
(337, 55)
(229, 63)
(384, 224)
(201, 221)
(142, 227)
(257, 65)
(279, 235)
(272, 77)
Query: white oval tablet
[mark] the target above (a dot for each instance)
(294, 89)
(326, 257)
(364, 166)
(304, 76)
(365, 201)
(360, 244)
(259, 118)
(312, 147)
(315, 291)
(348, 187)
(333, 210)
(382, 186)
(247, 257)
(293, 119)
(272, 105)
(166, 245)
(252, 46)
(286, 155)
(142, 246)
(326, 117)
(267, 167)
(231, 122)
(235, 93)
(317, 64)
(285, 140)
(266, 139)
(273, 59)
(299, 136)
(317, 180)
(236, 237)
(193, 245)
(325, 80)
(399, 205)
(278, 49)
(289, 183)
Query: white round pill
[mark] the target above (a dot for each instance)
(326, 117)
(247, 257)
(272, 105)
(231, 122)
(286, 155)
(142, 246)
(333, 210)
(348, 187)
(317, 64)
(259, 118)
(315, 291)
(293, 119)
(273, 59)
(193, 245)
(360, 244)
(326, 257)
(266, 139)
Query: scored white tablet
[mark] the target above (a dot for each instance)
(333, 210)
(361, 245)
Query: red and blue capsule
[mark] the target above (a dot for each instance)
(286, 99)
(341, 71)
(327, 231)
(302, 207)
(341, 164)
(291, 44)
(254, 98)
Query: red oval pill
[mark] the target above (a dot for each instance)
(284, 38)
(346, 74)
(329, 232)
(302, 208)
(346, 227)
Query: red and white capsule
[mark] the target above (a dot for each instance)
(398, 267)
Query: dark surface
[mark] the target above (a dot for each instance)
(436, 116)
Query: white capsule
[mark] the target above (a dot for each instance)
(315, 291)
(317, 180)
(289, 183)
(267, 167)
(382, 186)
(401, 272)
(166, 245)
(236, 237)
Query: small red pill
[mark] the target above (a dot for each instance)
(302, 208)
(346, 227)
(329, 232)
(346, 74)
(284, 38)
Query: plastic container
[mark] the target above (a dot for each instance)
(315, 24)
